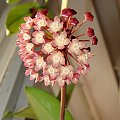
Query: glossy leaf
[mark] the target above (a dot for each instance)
(12, 1)
(16, 15)
(26, 112)
(44, 105)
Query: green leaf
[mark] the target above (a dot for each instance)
(16, 15)
(44, 105)
(12, 1)
(26, 112)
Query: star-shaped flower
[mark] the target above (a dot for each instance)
(60, 40)
(57, 58)
(38, 37)
(75, 46)
(55, 26)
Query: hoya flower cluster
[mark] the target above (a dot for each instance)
(46, 45)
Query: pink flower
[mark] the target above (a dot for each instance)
(55, 26)
(57, 58)
(38, 37)
(61, 40)
(45, 46)
(46, 79)
(40, 63)
(28, 24)
(39, 21)
(75, 47)
(29, 47)
(66, 71)
(51, 71)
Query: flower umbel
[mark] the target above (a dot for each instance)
(46, 45)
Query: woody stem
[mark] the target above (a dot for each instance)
(63, 99)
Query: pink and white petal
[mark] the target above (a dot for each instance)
(28, 19)
(75, 80)
(46, 80)
(67, 41)
(55, 64)
(49, 23)
(55, 35)
(60, 81)
(56, 19)
(62, 61)
(26, 36)
(34, 41)
(70, 75)
(63, 34)
(61, 47)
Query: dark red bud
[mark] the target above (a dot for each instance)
(88, 16)
(87, 66)
(68, 12)
(44, 12)
(76, 75)
(73, 21)
(90, 32)
(94, 40)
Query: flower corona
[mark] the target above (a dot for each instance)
(45, 46)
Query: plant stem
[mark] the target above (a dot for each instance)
(63, 100)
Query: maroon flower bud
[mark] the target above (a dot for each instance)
(90, 32)
(44, 12)
(94, 40)
(68, 12)
(73, 21)
(88, 16)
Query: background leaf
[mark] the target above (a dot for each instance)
(12, 1)
(26, 112)
(44, 105)
(16, 15)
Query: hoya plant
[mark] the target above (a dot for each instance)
(46, 46)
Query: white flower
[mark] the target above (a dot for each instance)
(56, 25)
(61, 40)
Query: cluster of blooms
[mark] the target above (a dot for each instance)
(46, 45)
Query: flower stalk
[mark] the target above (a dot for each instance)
(63, 101)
